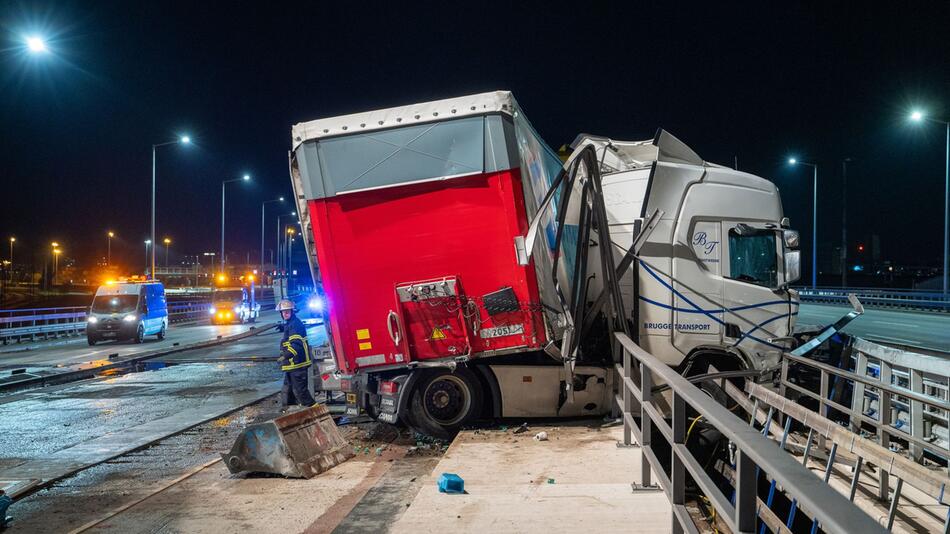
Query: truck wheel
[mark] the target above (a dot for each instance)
(444, 401)
(161, 333)
(139, 334)
(92, 340)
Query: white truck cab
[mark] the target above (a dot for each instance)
(711, 280)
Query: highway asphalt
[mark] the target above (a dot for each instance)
(927, 330)
(75, 350)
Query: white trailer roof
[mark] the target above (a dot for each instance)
(480, 104)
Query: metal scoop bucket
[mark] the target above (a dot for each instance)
(302, 444)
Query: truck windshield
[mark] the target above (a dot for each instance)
(115, 303)
(753, 258)
(228, 296)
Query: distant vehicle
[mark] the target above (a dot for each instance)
(128, 310)
(233, 305)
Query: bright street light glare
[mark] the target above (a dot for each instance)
(281, 199)
(247, 177)
(36, 44)
(185, 139)
(792, 161)
(917, 116)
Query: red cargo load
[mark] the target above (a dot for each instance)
(370, 242)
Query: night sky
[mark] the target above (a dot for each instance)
(819, 82)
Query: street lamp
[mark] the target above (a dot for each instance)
(109, 252)
(245, 178)
(56, 253)
(281, 199)
(36, 44)
(167, 242)
(919, 117)
(280, 251)
(147, 243)
(184, 140)
(814, 220)
(12, 241)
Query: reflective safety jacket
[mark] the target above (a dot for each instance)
(294, 349)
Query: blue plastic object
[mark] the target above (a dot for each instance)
(5, 502)
(451, 483)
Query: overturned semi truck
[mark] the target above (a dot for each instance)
(469, 273)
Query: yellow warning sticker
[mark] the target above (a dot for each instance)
(362, 333)
(366, 345)
(437, 333)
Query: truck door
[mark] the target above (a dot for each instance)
(752, 272)
(697, 277)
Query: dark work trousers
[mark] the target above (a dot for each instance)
(295, 388)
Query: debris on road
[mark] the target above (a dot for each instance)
(521, 429)
(541, 436)
(451, 483)
(301, 444)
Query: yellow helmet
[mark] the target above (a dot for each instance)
(285, 305)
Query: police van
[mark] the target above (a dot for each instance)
(128, 310)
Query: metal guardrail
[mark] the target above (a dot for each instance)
(878, 298)
(754, 454)
(887, 382)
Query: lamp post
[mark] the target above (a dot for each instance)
(56, 253)
(281, 199)
(280, 258)
(920, 116)
(109, 249)
(183, 140)
(814, 220)
(245, 178)
(167, 242)
(12, 241)
(147, 243)
(844, 221)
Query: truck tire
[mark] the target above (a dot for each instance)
(444, 401)
(161, 333)
(92, 340)
(139, 335)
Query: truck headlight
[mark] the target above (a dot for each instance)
(130, 317)
(211, 310)
(237, 309)
(92, 319)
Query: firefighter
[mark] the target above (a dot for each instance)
(294, 359)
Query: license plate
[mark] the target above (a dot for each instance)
(387, 402)
(108, 334)
(502, 331)
(352, 410)
(351, 398)
(387, 417)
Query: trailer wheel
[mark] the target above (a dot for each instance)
(444, 401)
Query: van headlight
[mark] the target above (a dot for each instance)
(130, 317)
(212, 310)
(237, 309)
(92, 319)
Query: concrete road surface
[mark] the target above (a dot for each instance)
(927, 330)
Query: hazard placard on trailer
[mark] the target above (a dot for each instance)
(437, 333)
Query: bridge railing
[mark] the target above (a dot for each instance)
(901, 299)
(740, 508)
